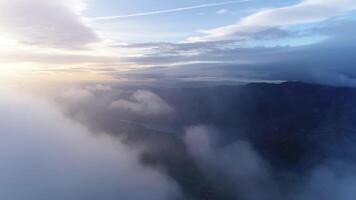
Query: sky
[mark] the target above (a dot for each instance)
(98, 44)
(116, 40)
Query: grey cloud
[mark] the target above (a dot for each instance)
(333, 180)
(274, 33)
(236, 168)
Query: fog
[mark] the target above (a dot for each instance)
(46, 155)
(239, 170)
(111, 142)
(236, 168)
(232, 168)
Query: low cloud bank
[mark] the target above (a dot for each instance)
(236, 168)
(45, 155)
(203, 160)
(240, 171)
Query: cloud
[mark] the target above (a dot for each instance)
(99, 88)
(222, 11)
(77, 94)
(333, 180)
(45, 155)
(82, 93)
(307, 11)
(169, 10)
(144, 103)
(235, 168)
(198, 140)
(217, 162)
(46, 23)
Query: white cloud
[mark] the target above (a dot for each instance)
(45, 155)
(307, 11)
(144, 103)
(222, 11)
(46, 23)
(170, 10)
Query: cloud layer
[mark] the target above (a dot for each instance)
(45, 155)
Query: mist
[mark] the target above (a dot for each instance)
(204, 135)
(46, 155)
(97, 141)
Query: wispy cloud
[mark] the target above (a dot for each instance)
(304, 12)
(169, 10)
(222, 11)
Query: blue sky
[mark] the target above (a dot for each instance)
(104, 39)
(175, 26)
